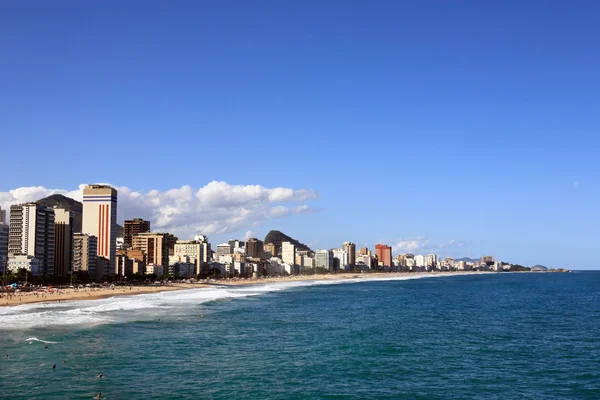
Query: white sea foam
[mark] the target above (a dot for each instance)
(148, 306)
(34, 339)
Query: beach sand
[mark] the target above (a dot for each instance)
(15, 299)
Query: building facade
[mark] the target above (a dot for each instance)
(63, 241)
(3, 247)
(195, 249)
(100, 219)
(342, 256)
(132, 227)
(21, 261)
(155, 246)
(384, 254)
(350, 249)
(271, 250)
(254, 248)
(85, 253)
(324, 259)
(288, 253)
(31, 233)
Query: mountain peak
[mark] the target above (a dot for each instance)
(278, 237)
(69, 204)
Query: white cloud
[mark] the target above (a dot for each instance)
(411, 245)
(422, 245)
(216, 208)
(576, 184)
(249, 234)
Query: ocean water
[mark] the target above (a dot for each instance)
(489, 336)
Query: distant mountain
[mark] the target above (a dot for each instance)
(467, 259)
(539, 268)
(60, 201)
(277, 237)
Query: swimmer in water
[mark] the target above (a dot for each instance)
(54, 366)
(46, 347)
(64, 361)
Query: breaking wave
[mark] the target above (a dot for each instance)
(34, 339)
(142, 307)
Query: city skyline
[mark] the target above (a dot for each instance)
(100, 200)
(460, 129)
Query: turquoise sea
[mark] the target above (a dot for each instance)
(488, 336)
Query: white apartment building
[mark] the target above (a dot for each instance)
(432, 261)
(288, 253)
(30, 263)
(196, 249)
(31, 233)
(223, 249)
(324, 259)
(158, 270)
(342, 257)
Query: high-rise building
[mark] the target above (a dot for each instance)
(488, 260)
(432, 261)
(131, 227)
(324, 259)
(63, 241)
(384, 254)
(271, 249)
(85, 253)
(32, 233)
(342, 256)
(100, 220)
(364, 251)
(254, 248)
(155, 246)
(288, 253)
(2, 216)
(171, 240)
(3, 247)
(235, 244)
(224, 249)
(350, 249)
(193, 249)
(132, 261)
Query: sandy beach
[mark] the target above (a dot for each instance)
(18, 298)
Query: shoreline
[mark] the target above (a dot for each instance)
(66, 295)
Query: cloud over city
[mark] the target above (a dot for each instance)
(421, 244)
(216, 208)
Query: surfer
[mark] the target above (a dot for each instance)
(54, 366)
(99, 396)
(64, 361)
(100, 376)
(46, 347)
(6, 356)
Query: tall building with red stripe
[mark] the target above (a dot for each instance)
(100, 220)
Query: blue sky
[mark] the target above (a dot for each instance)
(465, 128)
